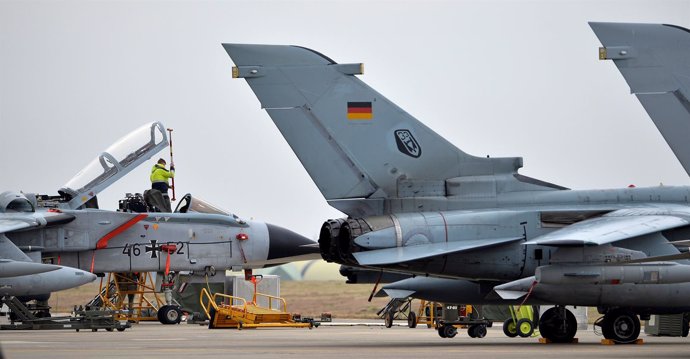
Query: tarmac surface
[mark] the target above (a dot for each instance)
(153, 340)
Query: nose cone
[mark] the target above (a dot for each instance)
(287, 246)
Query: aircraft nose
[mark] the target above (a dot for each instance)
(286, 244)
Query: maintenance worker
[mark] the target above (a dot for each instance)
(159, 181)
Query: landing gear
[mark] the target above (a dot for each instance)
(621, 326)
(169, 314)
(525, 328)
(558, 325)
(509, 328)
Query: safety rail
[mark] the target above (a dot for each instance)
(213, 301)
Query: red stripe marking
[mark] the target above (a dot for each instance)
(359, 110)
(93, 261)
(103, 242)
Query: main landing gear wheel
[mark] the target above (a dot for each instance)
(621, 326)
(510, 328)
(558, 325)
(169, 314)
(447, 331)
(412, 320)
(525, 328)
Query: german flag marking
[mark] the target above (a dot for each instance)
(359, 111)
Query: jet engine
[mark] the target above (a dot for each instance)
(336, 239)
(340, 238)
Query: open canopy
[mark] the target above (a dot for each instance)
(119, 159)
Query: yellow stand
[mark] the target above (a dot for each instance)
(141, 287)
(222, 314)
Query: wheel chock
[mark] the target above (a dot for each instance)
(548, 341)
(612, 342)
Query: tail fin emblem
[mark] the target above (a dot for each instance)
(407, 144)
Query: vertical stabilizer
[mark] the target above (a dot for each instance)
(655, 61)
(353, 141)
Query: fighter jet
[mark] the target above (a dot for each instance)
(49, 243)
(418, 205)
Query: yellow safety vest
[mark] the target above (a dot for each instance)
(160, 174)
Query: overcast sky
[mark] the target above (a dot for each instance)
(503, 78)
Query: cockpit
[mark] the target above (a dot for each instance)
(119, 159)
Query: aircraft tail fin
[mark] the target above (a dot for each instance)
(353, 141)
(654, 59)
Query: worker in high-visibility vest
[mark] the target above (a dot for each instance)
(159, 180)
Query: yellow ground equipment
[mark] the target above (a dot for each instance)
(522, 321)
(428, 313)
(222, 313)
(131, 295)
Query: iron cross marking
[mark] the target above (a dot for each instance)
(154, 248)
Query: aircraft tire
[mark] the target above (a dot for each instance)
(686, 328)
(554, 327)
(412, 320)
(159, 313)
(621, 326)
(509, 328)
(525, 328)
(169, 314)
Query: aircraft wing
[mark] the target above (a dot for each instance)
(9, 251)
(612, 227)
(16, 223)
(19, 221)
(422, 251)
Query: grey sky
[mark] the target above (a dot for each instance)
(505, 78)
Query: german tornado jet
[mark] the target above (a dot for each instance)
(418, 205)
(75, 239)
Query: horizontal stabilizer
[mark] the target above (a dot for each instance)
(10, 251)
(653, 59)
(612, 227)
(422, 251)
